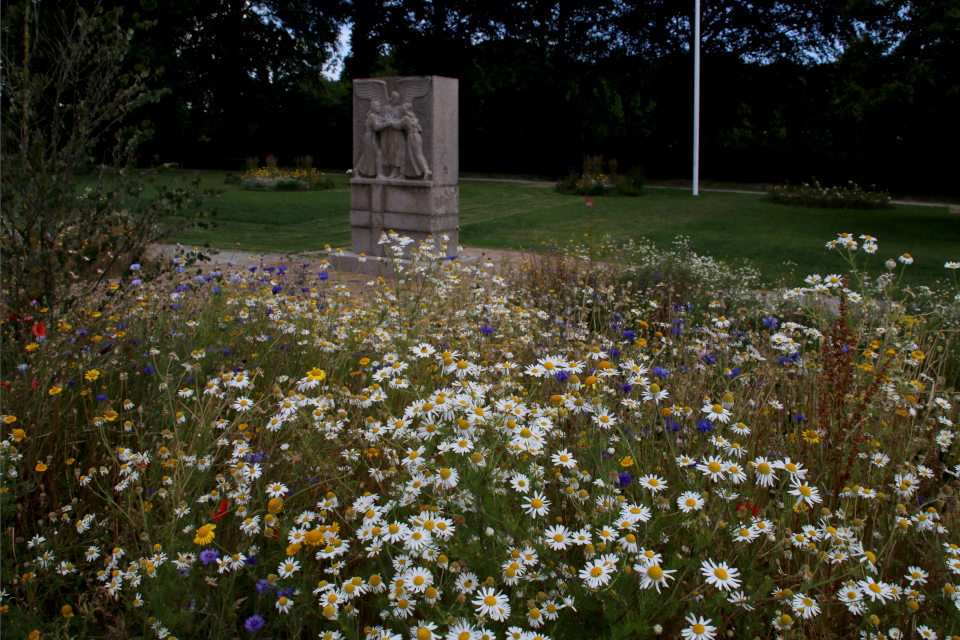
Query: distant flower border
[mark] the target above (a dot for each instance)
(816, 196)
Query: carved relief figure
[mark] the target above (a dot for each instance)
(392, 139)
(414, 165)
(392, 145)
(369, 163)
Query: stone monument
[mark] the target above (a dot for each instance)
(406, 161)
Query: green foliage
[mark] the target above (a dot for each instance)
(594, 182)
(816, 196)
(68, 101)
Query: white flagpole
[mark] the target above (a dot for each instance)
(696, 101)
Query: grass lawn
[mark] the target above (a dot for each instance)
(781, 241)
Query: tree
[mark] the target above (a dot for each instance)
(66, 97)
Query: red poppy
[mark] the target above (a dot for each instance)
(589, 201)
(747, 509)
(40, 330)
(221, 511)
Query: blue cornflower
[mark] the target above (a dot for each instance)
(624, 479)
(323, 275)
(708, 359)
(486, 330)
(22, 367)
(561, 376)
(276, 289)
(661, 373)
(626, 387)
(254, 623)
(673, 426)
(614, 353)
(101, 398)
(799, 417)
(704, 426)
(135, 267)
(629, 334)
(136, 282)
(263, 585)
(209, 555)
(770, 322)
(733, 373)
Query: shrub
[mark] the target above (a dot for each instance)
(593, 182)
(289, 184)
(65, 93)
(816, 196)
(272, 178)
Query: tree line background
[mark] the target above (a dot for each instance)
(863, 90)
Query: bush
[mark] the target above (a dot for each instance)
(65, 94)
(593, 182)
(290, 184)
(299, 179)
(816, 196)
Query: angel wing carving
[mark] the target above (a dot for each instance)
(371, 90)
(411, 88)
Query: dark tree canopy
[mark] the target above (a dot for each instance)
(840, 89)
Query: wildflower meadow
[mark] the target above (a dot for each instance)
(606, 441)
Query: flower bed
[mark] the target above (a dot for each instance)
(814, 195)
(569, 449)
(275, 179)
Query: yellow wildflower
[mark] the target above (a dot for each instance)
(205, 534)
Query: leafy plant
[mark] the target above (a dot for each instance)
(67, 102)
(594, 182)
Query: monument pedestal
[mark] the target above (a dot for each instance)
(416, 209)
(406, 161)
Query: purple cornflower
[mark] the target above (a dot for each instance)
(209, 555)
(661, 373)
(254, 623)
(624, 479)
(704, 426)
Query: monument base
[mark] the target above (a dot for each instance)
(412, 208)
